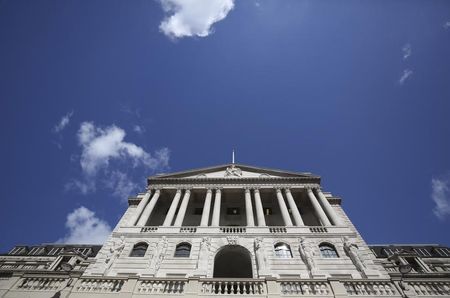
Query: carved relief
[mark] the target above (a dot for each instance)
(353, 252)
(159, 254)
(113, 253)
(233, 171)
(232, 240)
(307, 253)
(203, 257)
(261, 258)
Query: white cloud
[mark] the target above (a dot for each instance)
(106, 158)
(85, 228)
(63, 122)
(121, 185)
(193, 17)
(405, 75)
(447, 25)
(407, 51)
(139, 129)
(440, 193)
(100, 146)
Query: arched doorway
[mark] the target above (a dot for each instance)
(233, 261)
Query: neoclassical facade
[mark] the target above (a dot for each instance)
(226, 231)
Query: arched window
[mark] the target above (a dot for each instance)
(282, 250)
(328, 251)
(183, 250)
(139, 249)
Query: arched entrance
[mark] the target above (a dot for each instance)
(233, 261)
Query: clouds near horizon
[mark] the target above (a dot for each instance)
(187, 18)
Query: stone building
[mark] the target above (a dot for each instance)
(226, 231)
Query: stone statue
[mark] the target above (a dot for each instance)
(159, 254)
(352, 250)
(307, 254)
(114, 252)
(203, 257)
(261, 258)
(233, 171)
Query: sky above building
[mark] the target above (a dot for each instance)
(97, 95)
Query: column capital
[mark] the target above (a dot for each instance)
(188, 190)
(209, 190)
(247, 189)
(287, 189)
(256, 189)
(277, 189)
(218, 189)
(179, 190)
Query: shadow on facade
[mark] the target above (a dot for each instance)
(233, 261)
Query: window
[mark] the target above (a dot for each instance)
(83, 251)
(139, 249)
(282, 250)
(55, 250)
(443, 252)
(328, 251)
(422, 252)
(233, 211)
(268, 211)
(18, 250)
(36, 251)
(183, 250)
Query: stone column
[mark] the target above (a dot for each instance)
(259, 209)
(297, 217)
(216, 212)
(249, 208)
(206, 209)
(328, 209)
(284, 210)
(139, 208)
(148, 210)
(183, 208)
(172, 209)
(317, 208)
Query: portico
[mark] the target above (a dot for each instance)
(234, 205)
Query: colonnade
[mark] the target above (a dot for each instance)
(322, 208)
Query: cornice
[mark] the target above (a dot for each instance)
(237, 180)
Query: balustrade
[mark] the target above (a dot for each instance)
(41, 283)
(370, 288)
(430, 288)
(233, 287)
(276, 230)
(188, 230)
(305, 288)
(100, 285)
(318, 230)
(161, 286)
(149, 229)
(233, 230)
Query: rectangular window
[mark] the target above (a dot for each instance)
(443, 252)
(36, 251)
(268, 211)
(55, 251)
(422, 252)
(233, 211)
(17, 250)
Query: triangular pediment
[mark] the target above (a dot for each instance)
(233, 171)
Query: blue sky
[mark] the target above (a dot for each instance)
(97, 95)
